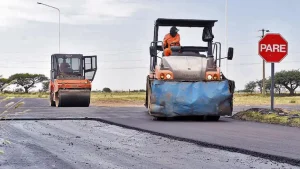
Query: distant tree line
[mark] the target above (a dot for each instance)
(24, 81)
(289, 80)
(108, 90)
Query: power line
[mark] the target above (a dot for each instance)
(256, 54)
(50, 68)
(251, 63)
(255, 63)
(101, 61)
(116, 52)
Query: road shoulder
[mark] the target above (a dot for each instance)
(264, 115)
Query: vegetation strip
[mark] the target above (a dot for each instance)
(281, 159)
(262, 115)
(138, 98)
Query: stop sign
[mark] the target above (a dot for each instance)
(273, 47)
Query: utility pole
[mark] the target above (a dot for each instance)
(39, 3)
(226, 33)
(264, 63)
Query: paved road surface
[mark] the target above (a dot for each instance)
(92, 144)
(262, 138)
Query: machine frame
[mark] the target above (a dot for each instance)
(70, 84)
(212, 49)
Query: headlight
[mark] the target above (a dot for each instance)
(168, 76)
(215, 77)
(209, 77)
(162, 76)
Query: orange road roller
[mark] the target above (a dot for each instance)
(71, 79)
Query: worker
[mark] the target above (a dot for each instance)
(64, 66)
(172, 38)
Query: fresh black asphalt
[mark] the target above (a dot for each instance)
(276, 142)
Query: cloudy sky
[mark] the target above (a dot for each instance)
(119, 33)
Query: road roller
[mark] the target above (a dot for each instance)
(71, 79)
(188, 80)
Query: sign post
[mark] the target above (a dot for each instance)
(272, 85)
(272, 48)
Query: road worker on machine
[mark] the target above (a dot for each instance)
(171, 39)
(65, 67)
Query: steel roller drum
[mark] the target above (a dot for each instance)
(74, 98)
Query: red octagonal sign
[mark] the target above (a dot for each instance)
(273, 47)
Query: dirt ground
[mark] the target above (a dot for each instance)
(118, 103)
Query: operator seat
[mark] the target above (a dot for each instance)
(176, 51)
(65, 68)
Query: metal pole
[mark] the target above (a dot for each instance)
(226, 33)
(58, 31)
(264, 63)
(58, 22)
(264, 73)
(264, 77)
(272, 86)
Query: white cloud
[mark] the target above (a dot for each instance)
(72, 11)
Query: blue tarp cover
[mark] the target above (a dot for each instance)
(171, 99)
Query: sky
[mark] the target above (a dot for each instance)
(119, 32)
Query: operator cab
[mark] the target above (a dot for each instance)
(73, 66)
(211, 51)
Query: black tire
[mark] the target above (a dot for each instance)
(51, 102)
(160, 118)
(57, 102)
(148, 95)
(147, 88)
(213, 118)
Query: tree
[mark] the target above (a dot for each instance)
(250, 86)
(19, 90)
(268, 84)
(45, 86)
(26, 80)
(289, 79)
(3, 83)
(259, 85)
(278, 88)
(106, 89)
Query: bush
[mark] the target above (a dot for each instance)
(107, 90)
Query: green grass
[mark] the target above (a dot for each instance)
(272, 118)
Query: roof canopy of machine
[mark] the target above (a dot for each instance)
(185, 22)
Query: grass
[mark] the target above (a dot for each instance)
(19, 104)
(259, 99)
(138, 97)
(271, 118)
(124, 96)
(97, 98)
(26, 95)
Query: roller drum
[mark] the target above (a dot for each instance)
(73, 98)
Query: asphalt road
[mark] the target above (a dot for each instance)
(92, 144)
(240, 136)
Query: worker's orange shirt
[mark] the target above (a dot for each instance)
(168, 39)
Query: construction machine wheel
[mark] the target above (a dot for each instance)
(73, 98)
(160, 118)
(57, 102)
(51, 102)
(148, 95)
(213, 118)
